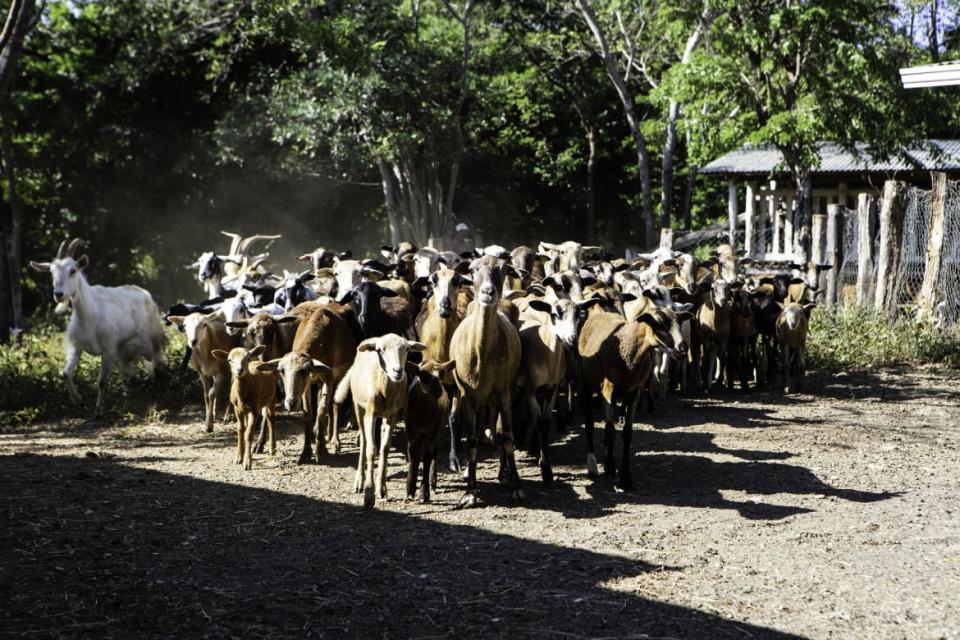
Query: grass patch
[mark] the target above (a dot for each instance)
(855, 336)
(32, 388)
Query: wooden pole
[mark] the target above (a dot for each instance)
(760, 243)
(788, 227)
(834, 251)
(666, 238)
(732, 211)
(931, 274)
(892, 214)
(866, 230)
(775, 217)
(751, 212)
(818, 241)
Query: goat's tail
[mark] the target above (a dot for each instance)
(343, 389)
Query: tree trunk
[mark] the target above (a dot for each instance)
(633, 122)
(390, 200)
(19, 21)
(13, 245)
(592, 134)
(933, 40)
(803, 216)
(892, 214)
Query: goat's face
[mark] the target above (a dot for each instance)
(446, 285)
(298, 372)
(432, 375)
(66, 273)
(348, 274)
(424, 262)
(192, 325)
(721, 291)
(366, 297)
(794, 314)
(665, 324)
(487, 281)
(258, 331)
(687, 273)
(570, 253)
(238, 358)
(319, 258)
(210, 265)
(234, 309)
(391, 351)
(294, 290)
(566, 318)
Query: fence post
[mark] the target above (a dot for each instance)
(931, 274)
(666, 238)
(761, 234)
(892, 215)
(732, 211)
(834, 256)
(818, 240)
(750, 209)
(866, 230)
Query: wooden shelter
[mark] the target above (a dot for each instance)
(757, 179)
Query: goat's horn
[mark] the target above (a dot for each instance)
(247, 242)
(62, 249)
(75, 244)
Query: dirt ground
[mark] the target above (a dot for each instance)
(832, 514)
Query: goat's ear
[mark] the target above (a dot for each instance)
(269, 365)
(736, 284)
(627, 297)
(648, 319)
(238, 324)
(40, 266)
(623, 266)
(797, 281)
(590, 249)
(318, 367)
(257, 351)
(305, 257)
(766, 280)
(83, 262)
(420, 283)
(587, 280)
(741, 252)
(326, 272)
(372, 274)
(463, 268)
(650, 295)
(370, 344)
(514, 294)
(219, 354)
(286, 319)
(824, 267)
(746, 262)
(416, 347)
(228, 293)
(586, 304)
(536, 290)
(809, 307)
(709, 262)
(540, 305)
(306, 276)
(346, 298)
(683, 316)
(388, 293)
(446, 367)
(778, 303)
(177, 320)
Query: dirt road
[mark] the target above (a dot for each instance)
(833, 514)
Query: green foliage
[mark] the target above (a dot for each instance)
(857, 337)
(32, 388)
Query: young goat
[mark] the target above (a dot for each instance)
(428, 406)
(119, 324)
(378, 383)
(252, 393)
(206, 333)
(714, 324)
(792, 335)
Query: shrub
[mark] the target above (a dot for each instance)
(855, 336)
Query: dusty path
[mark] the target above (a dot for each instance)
(831, 514)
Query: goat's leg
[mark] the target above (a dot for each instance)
(322, 417)
(369, 456)
(248, 440)
(729, 353)
(358, 478)
(786, 356)
(533, 415)
(187, 355)
(543, 433)
(801, 368)
(625, 482)
(454, 433)
(208, 410)
(469, 414)
(106, 366)
(238, 458)
(413, 463)
(334, 424)
(606, 393)
(586, 402)
(70, 369)
(429, 480)
(306, 453)
(504, 436)
(386, 430)
(268, 418)
(432, 457)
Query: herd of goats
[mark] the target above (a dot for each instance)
(493, 343)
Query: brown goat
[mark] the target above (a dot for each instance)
(792, 326)
(617, 361)
(252, 393)
(322, 353)
(428, 407)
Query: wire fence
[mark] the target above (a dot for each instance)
(947, 308)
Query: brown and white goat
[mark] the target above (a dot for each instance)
(206, 333)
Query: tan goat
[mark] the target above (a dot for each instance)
(792, 326)
(713, 322)
(378, 383)
(252, 393)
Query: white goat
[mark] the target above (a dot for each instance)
(119, 324)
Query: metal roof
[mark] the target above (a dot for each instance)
(942, 74)
(926, 155)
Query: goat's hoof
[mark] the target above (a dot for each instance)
(424, 499)
(504, 475)
(368, 498)
(519, 495)
(454, 464)
(546, 474)
(592, 469)
(468, 501)
(248, 465)
(305, 458)
(625, 484)
(209, 428)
